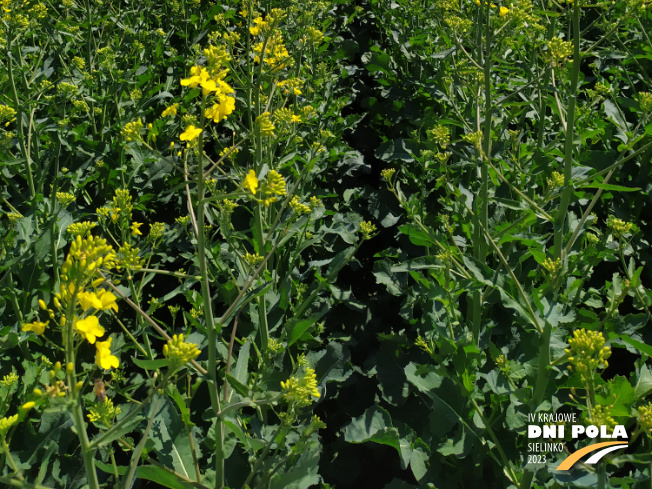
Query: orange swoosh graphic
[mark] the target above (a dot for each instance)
(574, 457)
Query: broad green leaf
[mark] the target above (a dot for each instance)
(417, 235)
(374, 425)
(301, 327)
(303, 473)
(643, 382)
(171, 441)
(162, 477)
(240, 371)
(242, 389)
(642, 347)
(398, 149)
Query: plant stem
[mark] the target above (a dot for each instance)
(569, 141)
(211, 327)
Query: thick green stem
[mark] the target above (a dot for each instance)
(19, 123)
(77, 414)
(570, 133)
(211, 327)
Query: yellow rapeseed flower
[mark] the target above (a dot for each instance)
(37, 326)
(103, 357)
(107, 299)
(88, 300)
(190, 133)
(220, 111)
(170, 111)
(135, 231)
(6, 423)
(251, 182)
(89, 328)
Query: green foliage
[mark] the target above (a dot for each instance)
(259, 244)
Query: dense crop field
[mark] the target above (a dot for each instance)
(384, 244)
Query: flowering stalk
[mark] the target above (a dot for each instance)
(211, 327)
(570, 130)
(88, 453)
(25, 150)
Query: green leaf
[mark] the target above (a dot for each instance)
(303, 473)
(374, 425)
(341, 259)
(419, 459)
(151, 364)
(417, 236)
(331, 364)
(613, 114)
(391, 378)
(242, 389)
(181, 404)
(643, 382)
(240, 371)
(642, 347)
(300, 327)
(161, 477)
(395, 282)
(614, 188)
(399, 149)
(171, 441)
(377, 61)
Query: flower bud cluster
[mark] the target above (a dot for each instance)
(179, 351)
(301, 390)
(588, 353)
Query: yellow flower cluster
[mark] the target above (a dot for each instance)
(367, 229)
(387, 174)
(600, 416)
(128, 258)
(7, 114)
(132, 130)
(553, 267)
(273, 52)
(120, 207)
(558, 50)
(618, 226)
(265, 125)
(253, 259)
(104, 412)
(300, 391)
(645, 418)
(81, 228)
(103, 357)
(557, 180)
(291, 85)
(312, 36)
(65, 198)
(298, 207)
(645, 101)
(588, 353)
(286, 116)
(9, 379)
(6, 423)
(266, 26)
(273, 185)
(179, 351)
(85, 257)
(171, 111)
(441, 135)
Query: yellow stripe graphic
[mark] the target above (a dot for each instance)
(574, 457)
